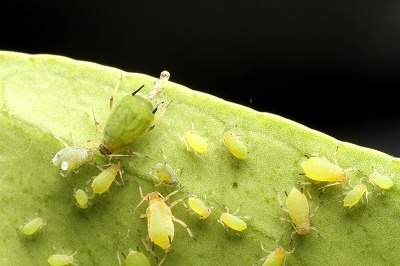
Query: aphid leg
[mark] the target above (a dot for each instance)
(176, 202)
(176, 220)
(330, 185)
(280, 201)
(236, 211)
(263, 249)
(316, 231)
(96, 123)
(111, 101)
(148, 246)
(142, 216)
(163, 259)
(312, 214)
(119, 258)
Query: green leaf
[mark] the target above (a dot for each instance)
(44, 98)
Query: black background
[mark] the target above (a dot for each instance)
(331, 65)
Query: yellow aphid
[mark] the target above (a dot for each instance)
(299, 211)
(136, 258)
(195, 142)
(383, 181)
(104, 180)
(199, 207)
(81, 198)
(164, 174)
(322, 170)
(32, 226)
(235, 146)
(276, 257)
(61, 259)
(160, 221)
(232, 221)
(354, 196)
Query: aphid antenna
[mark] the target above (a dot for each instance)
(115, 90)
(166, 198)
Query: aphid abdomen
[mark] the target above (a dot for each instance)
(382, 181)
(71, 158)
(129, 120)
(160, 224)
(102, 182)
(354, 195)
(235, 146)
(60, 260)
(136, 258)
(276, 258)
(299, 211)
(320, 169)
(233, 222)
(199, 207)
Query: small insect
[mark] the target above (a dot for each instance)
(130, 118)
(233, 222)
(69, 159)
(33, 226)
(160, 221)
(276, 257)
(354, 196)
(195, 142)
(299, 211)
(81, 198)
(61, 259)
(136, 258)
(199, 207)
(321, 170)
(235, 146)
(383, 181)
(164, 174)
(102, 182)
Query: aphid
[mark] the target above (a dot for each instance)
(199, 207)
(299, 211)
(33, 226)
(322, 170)
(102, 182)
(81, 198)
(136, 258)
(383, 181)
(164, 174)
(235, 146)
(130, 118)
(71, 158)
(276, 257)
(61, 259)
(232, 221)
(354, 196)
(160, 221)
(195, 142)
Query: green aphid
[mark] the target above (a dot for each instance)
(81, 198)
(33, 226)
(164, 174)
(235, 146)
(136, 258)
(130, 118)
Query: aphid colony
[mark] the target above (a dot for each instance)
(132, 117)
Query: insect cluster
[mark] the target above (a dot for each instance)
(132, 117)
